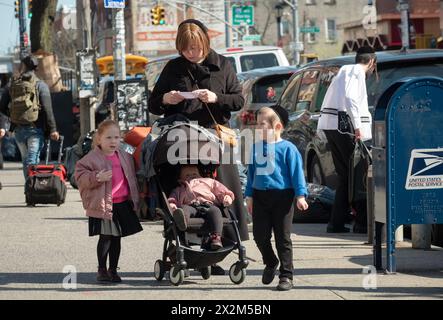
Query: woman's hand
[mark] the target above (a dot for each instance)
(206, 96)
(104, 176)
(173, 206)
(172, 97)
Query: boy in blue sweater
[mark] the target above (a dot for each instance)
(275, 178)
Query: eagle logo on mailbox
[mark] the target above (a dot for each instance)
(425, 169)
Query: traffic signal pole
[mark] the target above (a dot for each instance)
(22, 28)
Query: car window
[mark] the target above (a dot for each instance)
(255, 61)
(325, 80)
(269, 89)
(390, 73)
(307, 90)
(153, 71)
(289, 96)
(232, 61)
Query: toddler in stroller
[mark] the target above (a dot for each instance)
(198, 197)
(199, 230)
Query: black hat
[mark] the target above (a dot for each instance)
(282, 114)
(197, 22)
(30, 62)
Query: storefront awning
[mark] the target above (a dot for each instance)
(379, 43)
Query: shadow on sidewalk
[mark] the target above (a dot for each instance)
(88, 283)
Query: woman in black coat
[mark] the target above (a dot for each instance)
(200, 67)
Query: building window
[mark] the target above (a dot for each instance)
(311, 35)
(330, 2)
(310, 2)
(331, 30)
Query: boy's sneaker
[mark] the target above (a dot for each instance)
(113, 275)
(102, 275)
(180, 219)
(285, 284)
(216, 241)
(269, 274)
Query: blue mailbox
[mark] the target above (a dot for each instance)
(407, 160)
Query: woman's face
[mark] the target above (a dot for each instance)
(194, 53)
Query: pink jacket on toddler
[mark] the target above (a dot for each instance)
(199, 190)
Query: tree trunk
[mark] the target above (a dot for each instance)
(43, 15)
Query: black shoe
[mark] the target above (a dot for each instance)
(216, 270)
(331, 229)
(102, 275)
(359, 229)
(285, 284)
(113, 275)
(269, 274)
(180, 219)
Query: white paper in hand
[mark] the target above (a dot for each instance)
(188, 95)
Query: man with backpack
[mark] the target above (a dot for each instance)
(27, 102)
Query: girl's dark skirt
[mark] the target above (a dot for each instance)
(124, 222)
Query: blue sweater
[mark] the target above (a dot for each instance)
(276, 166)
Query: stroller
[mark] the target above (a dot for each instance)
(183, 251)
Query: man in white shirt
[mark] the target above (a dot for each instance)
(344, 119)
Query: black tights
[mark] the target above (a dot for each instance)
(108, 245)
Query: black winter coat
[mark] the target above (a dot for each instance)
(215, 73)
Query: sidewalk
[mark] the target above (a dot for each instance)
(38, 243)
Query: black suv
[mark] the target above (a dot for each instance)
(305, 91)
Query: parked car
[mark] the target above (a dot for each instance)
(261, 87)
(305, 91)
(304, 94)
(242, 59)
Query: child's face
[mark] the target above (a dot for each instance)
(188, 173)
(267, 131)
(109, 140)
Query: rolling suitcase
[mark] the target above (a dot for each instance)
(46, 183)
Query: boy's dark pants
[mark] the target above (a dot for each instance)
(273, 211)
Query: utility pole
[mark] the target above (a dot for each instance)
(118, 27)
(227, 30)
(296, 45)
(403, 7)
(87, 103)
(22, 29)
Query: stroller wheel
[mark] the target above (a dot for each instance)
(205, 272)
(238, 277)
(159, 270)
(176, 276)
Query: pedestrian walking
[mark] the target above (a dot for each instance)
(275, 179)
(27, 102)
(345, 118)
(212, 78)
(107, 184)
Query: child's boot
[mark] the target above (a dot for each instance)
(113, 275)
(102, 275)
(216, 241)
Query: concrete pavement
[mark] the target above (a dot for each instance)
(38, 243)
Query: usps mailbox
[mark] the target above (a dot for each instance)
(407, 160)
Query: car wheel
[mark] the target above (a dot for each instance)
(316, 172)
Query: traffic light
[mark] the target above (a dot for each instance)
(155, 18)
(158, 15)
(17, 8)
(161, 13)
(30, 9)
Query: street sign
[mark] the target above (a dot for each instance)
(243, 15)
(252, 37)
(309, 29)
(115, 4)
